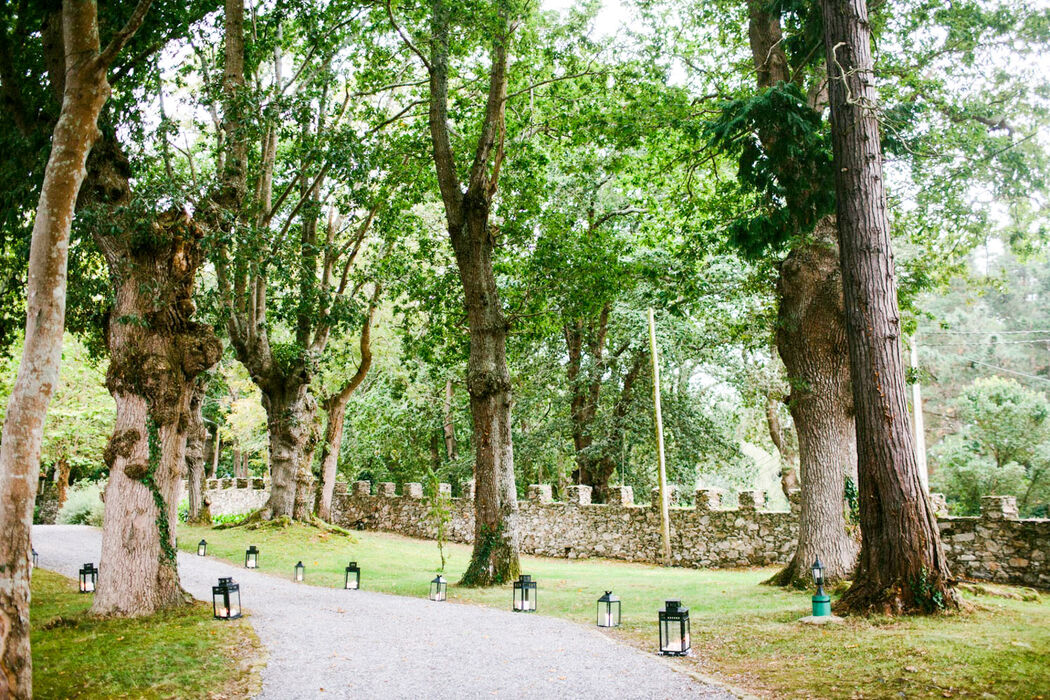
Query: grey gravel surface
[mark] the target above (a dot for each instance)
(331, 643)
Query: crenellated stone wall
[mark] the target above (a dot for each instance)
(996, 546)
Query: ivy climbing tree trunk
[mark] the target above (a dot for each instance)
(902, 566)
(494, 559)
(811, 341)
(85, 91)
(156, 354)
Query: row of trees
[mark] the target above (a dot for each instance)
(500, 185)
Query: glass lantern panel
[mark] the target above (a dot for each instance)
(673, 637)
(233, 601)
(605, 615)
(353, 581)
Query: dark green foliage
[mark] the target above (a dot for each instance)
(784, 157)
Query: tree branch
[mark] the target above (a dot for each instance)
(122, 37)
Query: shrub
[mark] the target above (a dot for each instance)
(83, 505)
(229, 518)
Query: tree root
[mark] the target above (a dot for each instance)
(257, 521)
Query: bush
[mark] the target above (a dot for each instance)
(83, 505)
(183, 510)
(229, 518)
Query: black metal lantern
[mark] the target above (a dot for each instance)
(525, 593)
(88, 578)
(818, 576)
(36, 557)
(353, 577)
(226, 600)
(300, 572)
(439, 588)
(609, 610)
(202, 548)
(251, 557)
(674, 629)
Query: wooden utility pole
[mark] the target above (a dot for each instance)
(665, 519)
(918, 426)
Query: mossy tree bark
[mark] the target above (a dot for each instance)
(495, 556)
(85, 90)
(811, 341)
(902, 566)
(157, 351)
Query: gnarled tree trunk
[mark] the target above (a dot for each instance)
(811, 340)
(156, 354)
(291, 421)
(84, 92)
(902, 566)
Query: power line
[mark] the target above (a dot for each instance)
(990, 342)
(1009, 372)
(1044, 330)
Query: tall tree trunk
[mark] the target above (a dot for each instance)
(495, 556)
(449, 426)
(291, 414)
(156, 354)
(196, 441)
(902, 566)
(62, 481)
(494, 559)
(811, 340)
(85, 91)
(335, 406)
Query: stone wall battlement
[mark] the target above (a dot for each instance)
(995, 546)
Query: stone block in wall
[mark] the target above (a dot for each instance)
(578, 495)
(211, 484)
(386, 488)
(339, 488)
(362, 488)
(540, 493)
(620, 496)
(709, 498)
(413, 489)
(999, 507)
(752, 500)
(445, 490)
(241, 482)
(259, 483)
(468, 490)
(672, 497)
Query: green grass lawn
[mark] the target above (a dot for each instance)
(744, 633)
(180, 653)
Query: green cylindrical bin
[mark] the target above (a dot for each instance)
(821, 606)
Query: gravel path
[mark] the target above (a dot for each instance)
(326, 642)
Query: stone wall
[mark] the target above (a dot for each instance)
(235, 496)
(995, 546)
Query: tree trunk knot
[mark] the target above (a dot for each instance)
(120, 445)
(486, 383)
(136, 470)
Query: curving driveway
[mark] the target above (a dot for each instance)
(331, 643)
